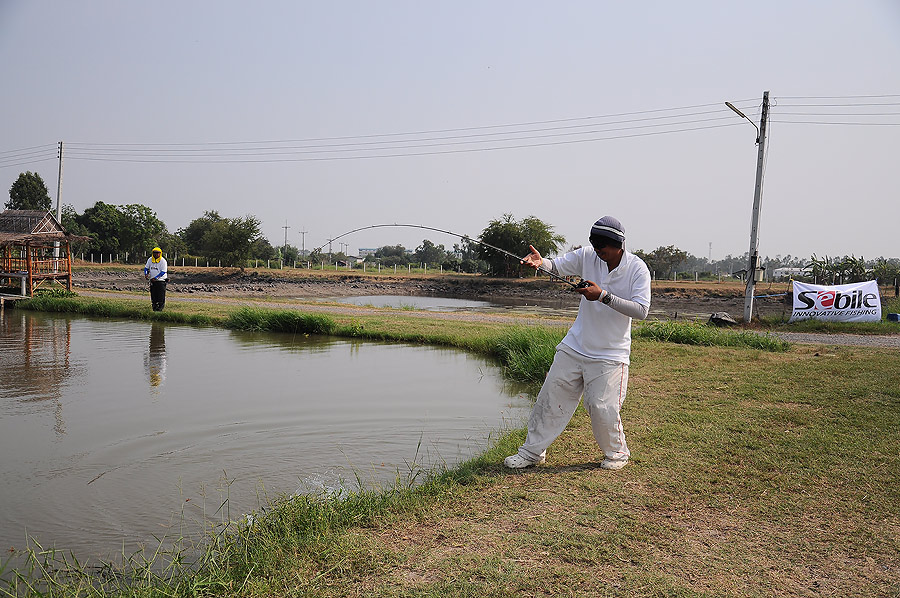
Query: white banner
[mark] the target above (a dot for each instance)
(857, 302)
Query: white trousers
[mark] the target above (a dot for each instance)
(603, 384)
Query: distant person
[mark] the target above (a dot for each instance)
(592, 360)
(156, 271)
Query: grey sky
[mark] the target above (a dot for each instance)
(213, 76)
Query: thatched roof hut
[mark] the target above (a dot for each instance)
(34, 248)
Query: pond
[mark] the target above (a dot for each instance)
(510, 305)
(116, 432)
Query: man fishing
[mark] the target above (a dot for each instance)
(156, 271)
(592, 360)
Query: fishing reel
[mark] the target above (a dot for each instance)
(583, 284)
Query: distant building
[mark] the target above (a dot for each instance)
(782, 273)
(366, 251)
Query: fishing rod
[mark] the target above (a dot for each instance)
(575, 285)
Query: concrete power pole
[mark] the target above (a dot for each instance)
(58, 207)
(59, 184)
(303, 241)
(753, 270)
(285, 227)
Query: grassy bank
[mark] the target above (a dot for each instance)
(756, 471)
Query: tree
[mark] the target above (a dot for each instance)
(430, 253)
(515, 237)
(141, 230)
(193, 233)
(886, 271)
(465, 258)
(103, 223)
(133, 228)
(664, 260)
(261, 249)
(231, 240)
(69, 219)
(29, 193)
(290, 254)
(392, 255)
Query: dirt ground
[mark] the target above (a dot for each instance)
(682, 299)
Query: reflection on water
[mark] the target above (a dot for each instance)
(35, 362)
(155, 359)
(114, 432)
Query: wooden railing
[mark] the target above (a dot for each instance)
(14, 264)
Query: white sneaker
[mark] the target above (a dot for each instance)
(613, 464)
(517, 461)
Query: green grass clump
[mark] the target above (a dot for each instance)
(527, 353)
(55, 292)
(268, 320)
(692, 333)
(110, 309)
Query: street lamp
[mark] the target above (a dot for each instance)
(742, 115)
(753, 270)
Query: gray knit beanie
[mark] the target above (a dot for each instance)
(609, 227)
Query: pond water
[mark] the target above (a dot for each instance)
(508, 305)
(449, 304)
(113, 432)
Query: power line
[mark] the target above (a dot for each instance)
(837, 97)
(29, 149)
(826, 123)
(438, 131)
(118, 148)
(832, 105)
(225, 160)
(76, 153)
(859, 114)
(26, 162)
(497, 137)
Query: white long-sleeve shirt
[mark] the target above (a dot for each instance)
(158, 270)
(603, 331)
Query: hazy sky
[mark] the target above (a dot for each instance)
(328, 116)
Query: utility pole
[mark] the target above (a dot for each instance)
(58, 208)
(753, 270)
(59, 184)
(285, 227)
(303, 241)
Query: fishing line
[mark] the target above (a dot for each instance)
(554, 276)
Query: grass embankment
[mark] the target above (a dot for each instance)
(754, 473)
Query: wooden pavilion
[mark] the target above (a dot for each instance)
(34, 249)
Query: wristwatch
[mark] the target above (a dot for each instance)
(607, 297)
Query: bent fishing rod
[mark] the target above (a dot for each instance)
(575, 285)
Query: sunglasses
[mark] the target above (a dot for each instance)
(599, 243)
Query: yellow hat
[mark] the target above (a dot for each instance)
(157, 249)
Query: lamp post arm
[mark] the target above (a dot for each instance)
(742, 115)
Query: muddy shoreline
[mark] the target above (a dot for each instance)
(669, 300)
